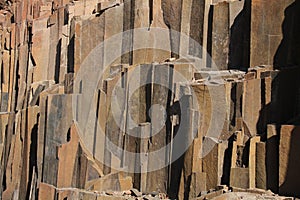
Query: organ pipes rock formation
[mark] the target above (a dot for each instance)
(149, 99)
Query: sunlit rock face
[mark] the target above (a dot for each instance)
(149, 99)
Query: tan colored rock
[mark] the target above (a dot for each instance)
(251, 104)
(49, 47)
(261, 170)
(267, 35)
(58, 111)
(239, 177)
(198, 184)
(156, 180)
(46, 191)
(67, 156)
(288, 164)
(218, 45)
(213, 165)
(116, 182)
(252, 161)
(14, 161)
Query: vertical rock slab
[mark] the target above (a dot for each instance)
(138, 101)
(261, 170)
(157, 180)
(68, 83)
(251, 104)
(87, 36)
(14, 163)
(30, 122)
(239, 47)
(204, 105)
(185, 26)
(113, 28)
(196, 29)
(252, 161)
(266, 34)
(211, 96)
(145, 135)
(239, 174)
(259, 39)
(192, 163)
(99, 140)
(65, 39)
(55, 23)
(115, 109)
(128, 25)
(40, 48)
(266, 95)
(8, 68)
(7, 127)
(5, 69)
(213, 164)
(218, 38)
(59, 119)
(46, 191)
(131, 157)
(239, 177)
(172, 16)
(80, 173)
(236, 104)
(184, 130)
(41, 134)
(141, 20)
(198, 184)
(226, 131)
(197, 152)
(3, 126)
(22, 74)
(272, 158)
(67, 155)
(235, 8)
(151, 38)
(289, 178)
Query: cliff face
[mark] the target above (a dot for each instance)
(167, 97)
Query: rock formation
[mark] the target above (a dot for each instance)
(137, 99)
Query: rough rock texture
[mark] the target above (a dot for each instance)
(137, 99)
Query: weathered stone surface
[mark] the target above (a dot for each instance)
(59, 119)
(288, 151)
(213, 165)
(252, 161)
(172, 16)
(46, 191)
(198, 184)
(266, 36)
(156, 180)
(66, 163)
(261, 171)
(114, 181)
(251, 104)
(218, 39)
(239, 177)
(84, 105)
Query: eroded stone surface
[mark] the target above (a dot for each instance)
(61, 58)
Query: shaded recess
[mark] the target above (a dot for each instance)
(239, 47)
(288, 52)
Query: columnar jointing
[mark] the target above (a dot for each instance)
(158, 99)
